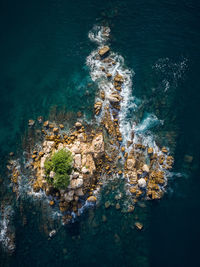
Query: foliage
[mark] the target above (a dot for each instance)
(61, 164)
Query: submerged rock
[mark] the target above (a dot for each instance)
(139, 225)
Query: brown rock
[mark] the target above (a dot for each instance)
(46, 124)
(78, 125)
(55, 130)
(92, 199)
(61, 126)
(139, 225)
(150, 150)
(104, 51)
(118, 78)
(97, 107)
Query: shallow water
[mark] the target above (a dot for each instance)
(44, 47)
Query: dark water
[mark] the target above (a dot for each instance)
(44, 45)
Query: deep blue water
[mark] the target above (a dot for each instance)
(44, 45)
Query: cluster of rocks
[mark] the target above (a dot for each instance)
(144, 181)
(93, 156)
(87, 148)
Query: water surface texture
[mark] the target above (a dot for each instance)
(44, 70)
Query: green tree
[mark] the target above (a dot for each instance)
(61, 164)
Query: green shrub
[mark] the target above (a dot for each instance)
(60, 163)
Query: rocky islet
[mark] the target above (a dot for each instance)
(98, 150)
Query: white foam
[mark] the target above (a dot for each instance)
(5, 234)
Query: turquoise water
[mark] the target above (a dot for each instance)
(43, 54)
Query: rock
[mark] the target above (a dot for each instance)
(46, 124)
(118, 78)
(47, 146)
(123, 149)
(97, 146)
(130, 163)
(31, 122)
(104, 51)
(11, 154)
(118, 196)
(97, 107)
(77, 161)
(40, 119)
(79, 192)
(145, 168)
(81, 137)
(102, 95)
(52, 233)
(51, 203)
(139, 225)
(34, 156)
(76, 183)
(55, 130)
(109, 75)
(85, 170)
(69, 196)
(92, 199)
(79, 114)
(78, 125)
(142, 183)
(75, 175)
(164, 150)
(131, 208)
(107, 204)
(114, 97)
(61, 126)
(150, 150)
(117, 206)
(90, 163)
(76, 148)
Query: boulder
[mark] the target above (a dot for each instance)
(76, 183)
(75, 175)
(97, 107)
(90, 163)
(130, 163)
(79, 192)
(150, 150)
(114, 97)
(97, 146)
(69, 196)
(142, 183)
(40, 119)
(31, 122)
(78, 125)
(139, 225)
(55, 130)
(92, 199)
(145, 168)
(104, 51)
(47, 146)
(118, 78)
(77, 161)
(46, 124)
(61, 126)
(85, 170)
(76, 148)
